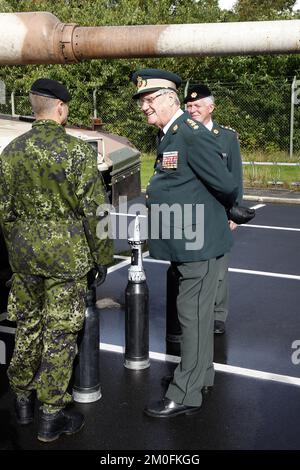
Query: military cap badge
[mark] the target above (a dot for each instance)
(194, 94)
(141, 82)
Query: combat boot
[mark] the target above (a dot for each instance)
(24, 407)
(52, 425)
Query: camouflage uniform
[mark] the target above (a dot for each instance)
(48, 182)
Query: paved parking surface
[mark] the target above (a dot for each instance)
(255, 403)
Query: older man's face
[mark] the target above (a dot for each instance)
(158, 107)
(200, 110)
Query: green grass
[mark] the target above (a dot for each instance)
(254, 176)
(147, 160)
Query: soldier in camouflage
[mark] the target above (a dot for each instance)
(50, 189)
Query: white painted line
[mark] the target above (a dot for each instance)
(7, 329)
(111, 348)
(256, 374)
(242, 271)
(164, 357)
(151, 260)
(118, 266)
(127, 215)
(272, 227)
(265, 273)
(271, 163)
(3, 316)
(258, 206)
(152, 355)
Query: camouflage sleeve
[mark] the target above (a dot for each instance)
(6, 212)
(91, 194)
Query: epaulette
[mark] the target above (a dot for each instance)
(193, 124)
(228, 128)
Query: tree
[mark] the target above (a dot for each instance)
(237, 81)
(250, 10)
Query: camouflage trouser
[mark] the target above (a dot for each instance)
(49, 313)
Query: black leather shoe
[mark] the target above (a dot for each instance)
(24, 407)
(167, 379)
(51, 426)
(219, 327)
(168, 409)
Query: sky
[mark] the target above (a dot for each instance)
(227, 4)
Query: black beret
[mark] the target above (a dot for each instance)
(148, 80)
(196, 92)
(50, 89)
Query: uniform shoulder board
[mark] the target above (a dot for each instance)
(228, 128)
(193, 124)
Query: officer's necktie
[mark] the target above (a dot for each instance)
(160, 136)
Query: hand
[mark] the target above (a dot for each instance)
(240, 214)
(232, 225)
(96, 276)
(101, 274)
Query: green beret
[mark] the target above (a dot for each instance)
(196, 92)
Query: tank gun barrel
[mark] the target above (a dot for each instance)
(41, 38)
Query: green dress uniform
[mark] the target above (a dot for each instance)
(227, 138)
(49, 183)
(189, 172)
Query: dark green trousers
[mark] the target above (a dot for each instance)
(222, 298)
(198, 282)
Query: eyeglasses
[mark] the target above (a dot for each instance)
(149, 101)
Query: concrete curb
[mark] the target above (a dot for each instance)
(278, 200)
(256, 198)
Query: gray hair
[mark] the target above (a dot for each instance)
(209, 99)
(164, 91)
(41, 104)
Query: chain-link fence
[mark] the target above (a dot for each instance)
(260, 114)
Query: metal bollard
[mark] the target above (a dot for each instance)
(173, 328)
(86, 387)
(136, 308)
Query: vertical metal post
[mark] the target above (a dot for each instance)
(186, 91)
(136, 308)
(12, 99)
(2, 92)
(95, 101)
(292, 116)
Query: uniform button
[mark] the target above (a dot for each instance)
(155, 172)
(147, 196)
